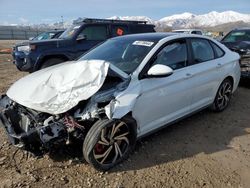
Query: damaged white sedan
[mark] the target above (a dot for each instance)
(123, 89)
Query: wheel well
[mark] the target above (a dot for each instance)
(63, 57)
(131, 120)
(231, 79)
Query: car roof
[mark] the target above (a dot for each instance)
(242, 29)
(187, 30)
(155, 37)
(53, 31)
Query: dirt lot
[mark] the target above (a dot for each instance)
(206, 150)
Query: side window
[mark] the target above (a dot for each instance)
(173, 55)
(218, 51)
(94, 33)
(119, 30)
(202, 50)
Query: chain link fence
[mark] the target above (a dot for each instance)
(18, 33)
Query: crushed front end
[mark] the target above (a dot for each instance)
(36, 131)
(245, 67)
(40, 112)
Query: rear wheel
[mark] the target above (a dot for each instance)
(109, 142)
(223, 96)
(52, 61)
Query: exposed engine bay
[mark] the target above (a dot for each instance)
(38, 131)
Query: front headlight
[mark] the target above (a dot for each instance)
(23, 48)
(26, 49)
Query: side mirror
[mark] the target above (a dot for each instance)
(159, 71)
(81, 37)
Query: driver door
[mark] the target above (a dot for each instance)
(165, 99)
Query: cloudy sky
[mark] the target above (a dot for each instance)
(50, 11)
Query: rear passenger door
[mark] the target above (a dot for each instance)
(205, 70)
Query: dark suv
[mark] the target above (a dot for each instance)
(77, 39)
(238, 40)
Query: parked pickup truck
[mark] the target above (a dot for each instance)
(80, 37)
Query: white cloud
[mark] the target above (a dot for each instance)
(23, 20)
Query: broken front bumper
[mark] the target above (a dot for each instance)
(245, 67)
(17, 138)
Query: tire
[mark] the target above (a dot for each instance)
(109, 142)
(51, 62)
(223, 96)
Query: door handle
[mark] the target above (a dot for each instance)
(219, 65)
(189, 75)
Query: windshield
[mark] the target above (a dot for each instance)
(44, 36)
(68, 33)
(237, 36)
(124, 54)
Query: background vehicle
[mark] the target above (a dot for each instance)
(107, 103)
(189, 31)
(76, 40)
(48, 35)
(238, 40)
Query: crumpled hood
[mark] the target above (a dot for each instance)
(57, 89)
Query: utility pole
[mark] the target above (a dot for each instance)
(62, 22)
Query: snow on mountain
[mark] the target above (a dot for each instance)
(188, 20)
(184, 20)
(185, 15)
(137, 18)
(216, 18)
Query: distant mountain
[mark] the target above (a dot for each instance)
(188, 20)
(211, 21)
(137, 18)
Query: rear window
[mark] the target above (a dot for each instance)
(202, 50)
(237, 36)
(218, 51)
(141, 28)
(94, 33)
(119, 30)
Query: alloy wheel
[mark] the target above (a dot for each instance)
(113, 143)
(224, 95)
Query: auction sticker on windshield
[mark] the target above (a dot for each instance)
(143, 43)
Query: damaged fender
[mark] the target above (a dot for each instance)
(124, 102)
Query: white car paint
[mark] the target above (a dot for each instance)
(154, 102)
(57, 89)
(160, 70)
(158, 101)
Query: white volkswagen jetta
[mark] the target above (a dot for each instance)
(123, 89)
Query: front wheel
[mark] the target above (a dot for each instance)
(109, 142)
(223, 96)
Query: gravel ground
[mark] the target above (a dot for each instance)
(206, 150)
